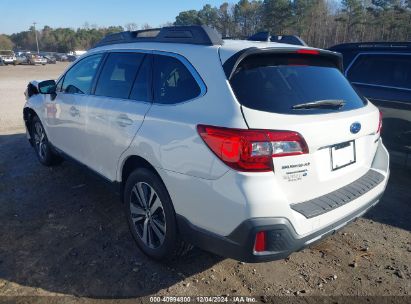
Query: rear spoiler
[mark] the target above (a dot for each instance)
(233, 62)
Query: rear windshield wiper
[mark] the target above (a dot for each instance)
(327, 103)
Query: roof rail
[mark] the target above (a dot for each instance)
(266, 36)
(378, 44)
(193, 34)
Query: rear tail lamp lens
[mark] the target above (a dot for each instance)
(260, 244)
(251, 150)
(380, 123)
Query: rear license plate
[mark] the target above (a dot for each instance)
(342, 155)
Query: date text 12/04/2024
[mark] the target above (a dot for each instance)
(203, 299)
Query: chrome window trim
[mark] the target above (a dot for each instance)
(116, 99)
(370, 84)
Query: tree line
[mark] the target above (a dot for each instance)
(321, 23)
(61, 40)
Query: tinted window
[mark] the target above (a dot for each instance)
(118, 74)
(80, 77)
(386, 70)
(276, 83)
(173, 82)
(142, 86)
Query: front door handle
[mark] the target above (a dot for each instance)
(124, 121)
(74, 111)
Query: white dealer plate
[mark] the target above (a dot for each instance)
(342, 155)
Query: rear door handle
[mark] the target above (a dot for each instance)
(74, 111)
(124, 121)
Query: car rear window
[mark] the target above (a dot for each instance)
(173, 82)
(277, 83)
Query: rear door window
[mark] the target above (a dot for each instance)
(141, 90)
(173, 82)
(279, 82)
(79, 79)
(382, 69)
(118, 75)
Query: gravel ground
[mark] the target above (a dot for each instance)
(63, 233)
(13, 82)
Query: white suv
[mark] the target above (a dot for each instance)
(251, 150)
(8, 57)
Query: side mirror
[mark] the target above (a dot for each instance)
(47, 87)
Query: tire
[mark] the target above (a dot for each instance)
(44, 152)
(153, 225)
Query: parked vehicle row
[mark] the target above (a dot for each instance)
(31, 58)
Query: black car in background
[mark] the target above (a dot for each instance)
(381, 71)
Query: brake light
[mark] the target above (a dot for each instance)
(380, 123)
(251, 150)
(259, 245)
(308, 52)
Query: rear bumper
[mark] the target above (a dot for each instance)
(282, 239)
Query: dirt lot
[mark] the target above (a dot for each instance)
(63, 233)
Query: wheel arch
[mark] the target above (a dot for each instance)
(28, 114)
(130, 164)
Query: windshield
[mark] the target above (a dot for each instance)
(282, 83)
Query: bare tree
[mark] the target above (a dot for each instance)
(131, 26)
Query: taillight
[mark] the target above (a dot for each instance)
(259, 244)
(251, 150)
(380, 123)
(307, 52)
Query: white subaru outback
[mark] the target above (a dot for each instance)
(251, 150)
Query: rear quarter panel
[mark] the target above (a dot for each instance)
(168, 138)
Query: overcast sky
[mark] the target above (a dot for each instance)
(16, 16)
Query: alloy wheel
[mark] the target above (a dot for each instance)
(147, 215)
(40, 140)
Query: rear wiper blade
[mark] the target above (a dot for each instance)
(326, 103)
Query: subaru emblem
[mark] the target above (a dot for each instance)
(355, 128)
